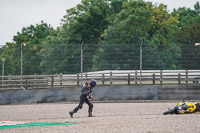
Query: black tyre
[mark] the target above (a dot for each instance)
(171, 111)
(198, 107)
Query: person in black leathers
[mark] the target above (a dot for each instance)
(85, 97)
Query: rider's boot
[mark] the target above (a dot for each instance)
(71, 113)
(90, 114)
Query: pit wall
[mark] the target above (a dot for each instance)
(101, 93)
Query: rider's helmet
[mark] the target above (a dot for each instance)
(93, 83)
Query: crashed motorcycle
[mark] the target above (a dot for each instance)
(184, 107)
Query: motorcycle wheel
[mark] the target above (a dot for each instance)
(198, 106)
(171, 111)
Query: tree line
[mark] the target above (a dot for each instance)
(110, 33)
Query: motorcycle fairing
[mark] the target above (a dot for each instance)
(190, 107)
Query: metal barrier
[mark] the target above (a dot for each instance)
(104, 78)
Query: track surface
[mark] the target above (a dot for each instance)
(109, 118)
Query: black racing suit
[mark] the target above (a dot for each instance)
(86, 93)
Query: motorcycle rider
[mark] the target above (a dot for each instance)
(85, 97)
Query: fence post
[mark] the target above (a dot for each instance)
(110, 78)
(52, 81)
(61, 79)
(129, 77)
(103, 78)
(9, 80)
(161, 77)
(86, 76)
(26, 82)
(35, 80)
(179, 78)
(154, 79)
(135, 77)
(2, 81)
(186, 76)
(1, 85)
(77, 79)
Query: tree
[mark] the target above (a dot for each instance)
(85, 25)
(188, 36)
(10, 60)
(32, 36)
(139, 22)
(57, 56)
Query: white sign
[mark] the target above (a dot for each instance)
(196, 44)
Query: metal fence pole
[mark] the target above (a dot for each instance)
(22, 45)
(141, 64)
(3, 60)
(82, 64)
(21, 65)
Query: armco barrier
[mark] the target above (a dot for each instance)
(103, 78)
(100, 93)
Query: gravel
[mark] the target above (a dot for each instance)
(109, 117)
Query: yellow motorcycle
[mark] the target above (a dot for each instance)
(184, 107)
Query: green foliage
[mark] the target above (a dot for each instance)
(51, 61)
(138, 22)
(111, 33)
(87, 21)
(188, 36)
(32, 36)
(10, 60)
(85, 24)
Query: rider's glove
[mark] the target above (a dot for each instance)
(91, 98)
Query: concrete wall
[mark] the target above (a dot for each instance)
(179, 92)
(144, 92)
(126, 93)
(39, 95)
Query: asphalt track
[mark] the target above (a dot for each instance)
(131, 117)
